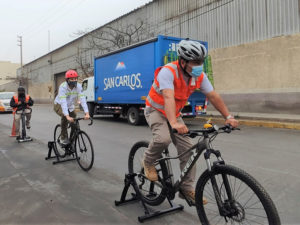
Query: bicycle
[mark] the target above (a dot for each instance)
(23, 137)
(226, 187)
(79, 145)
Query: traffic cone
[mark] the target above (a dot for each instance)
(13, 130)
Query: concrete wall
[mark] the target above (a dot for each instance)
(260, 77)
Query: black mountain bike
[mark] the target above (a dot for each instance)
(234, 197)
(80, 145)
(23, 137)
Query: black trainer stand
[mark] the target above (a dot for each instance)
(129, 180)
(51, 146)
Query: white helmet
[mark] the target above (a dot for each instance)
(191, 50)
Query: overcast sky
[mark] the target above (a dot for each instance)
(34, 19)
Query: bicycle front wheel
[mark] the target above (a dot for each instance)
(243, 199)
(151, 193)
(84, 151)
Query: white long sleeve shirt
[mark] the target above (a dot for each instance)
(67, 97)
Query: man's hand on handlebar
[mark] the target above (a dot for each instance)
(87, 116)
(181, 128)
(233, 122)
(70, 119)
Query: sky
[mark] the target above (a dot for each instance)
(50, 24)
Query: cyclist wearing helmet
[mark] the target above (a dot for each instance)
(172, 86)
(64, 106)
(19, 102)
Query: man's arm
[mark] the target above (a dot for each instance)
(83, 102)
(170, 109)
(12, 103)
(219, 104)
(30, 101)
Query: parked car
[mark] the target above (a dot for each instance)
(5, 98)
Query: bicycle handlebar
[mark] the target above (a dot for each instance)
(82, 118)
(194, 133)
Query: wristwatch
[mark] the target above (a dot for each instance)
(229, 117)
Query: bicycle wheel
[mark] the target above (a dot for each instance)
(84, 151)
(60, 150)
(151, 193)
(250, 203)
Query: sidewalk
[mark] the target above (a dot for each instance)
(288, 121)
(33, 191)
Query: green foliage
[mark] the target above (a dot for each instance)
(208, 69)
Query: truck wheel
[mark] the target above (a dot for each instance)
(91, 108)
(133, 116)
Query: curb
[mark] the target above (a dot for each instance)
(256, 122)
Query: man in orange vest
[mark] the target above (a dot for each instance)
(172, 86)
(19, 102)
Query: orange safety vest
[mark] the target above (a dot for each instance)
(182, 91)
(17, 101)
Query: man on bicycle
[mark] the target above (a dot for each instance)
(172, 86)
(64, 106)
(19, 102)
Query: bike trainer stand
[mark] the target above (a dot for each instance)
(129, 180)
(51, 146)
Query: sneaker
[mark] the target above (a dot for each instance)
(150, 172)
(190, 195)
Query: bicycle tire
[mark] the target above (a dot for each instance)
(59, 150)
(259, 192)
(155, 197)
(81, 151)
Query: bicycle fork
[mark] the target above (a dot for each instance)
(224, 207)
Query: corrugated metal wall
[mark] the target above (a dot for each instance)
(223, 23)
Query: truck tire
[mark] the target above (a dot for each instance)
(133, 116)
(91, 107)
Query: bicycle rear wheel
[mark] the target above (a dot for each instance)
(151, 193)
(84, 151)
(60, 150)
(249, 204)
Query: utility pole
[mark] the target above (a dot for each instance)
(21, 55)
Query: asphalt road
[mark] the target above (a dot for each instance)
(270, 155)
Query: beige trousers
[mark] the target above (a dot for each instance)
(161, 139)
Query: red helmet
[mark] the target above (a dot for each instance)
(71, 74)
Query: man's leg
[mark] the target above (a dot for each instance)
(160, 140)
(64, 122)
(73, 115)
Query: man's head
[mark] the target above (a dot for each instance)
(71, 78)
(21, 92)
(191, 57)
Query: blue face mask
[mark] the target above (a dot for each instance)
(196, 71)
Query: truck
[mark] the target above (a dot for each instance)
(123, 78)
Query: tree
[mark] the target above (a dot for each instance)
(109, 38)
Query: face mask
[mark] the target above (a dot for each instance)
(196, 71)
(72, 84)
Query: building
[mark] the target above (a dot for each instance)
(254, 46)
(8, 74)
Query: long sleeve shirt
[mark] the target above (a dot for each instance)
(67, 97)
(23, 104)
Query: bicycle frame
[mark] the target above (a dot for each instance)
(197, 150)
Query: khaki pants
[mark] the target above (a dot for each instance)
(64, 122)
(18, 118)
(161, 140)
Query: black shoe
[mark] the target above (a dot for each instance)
(18, 138)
